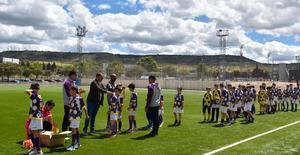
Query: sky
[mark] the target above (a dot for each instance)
(183, 27)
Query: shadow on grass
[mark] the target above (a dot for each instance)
(145, 128)
(205, 122)
(218, 125)
(172, 125)
(144, 137)
(56, 149)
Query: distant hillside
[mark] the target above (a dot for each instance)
(127, 59)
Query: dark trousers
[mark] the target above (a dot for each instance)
(150, 121)
(154, 117)
(92, 112)
(66, 122)
(215, 110)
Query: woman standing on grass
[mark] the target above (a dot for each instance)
(94, 100)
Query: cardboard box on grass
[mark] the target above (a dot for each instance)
(50, 139)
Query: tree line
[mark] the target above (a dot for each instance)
(144, 66)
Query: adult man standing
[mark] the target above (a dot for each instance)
(94, 100)
(111, 86)
(152, 106)
(66, 96)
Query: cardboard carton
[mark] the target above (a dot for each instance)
(50, 139)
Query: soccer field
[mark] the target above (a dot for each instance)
(192, 137)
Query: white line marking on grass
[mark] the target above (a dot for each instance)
(250, 138)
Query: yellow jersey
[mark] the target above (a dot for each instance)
(207, 99)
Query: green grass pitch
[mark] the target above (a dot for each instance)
(190, 138)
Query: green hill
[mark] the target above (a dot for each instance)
(127, 59)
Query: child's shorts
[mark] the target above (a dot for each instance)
(160, 112)
(36, 124)
(206, 108)
(114, 116)
(132, 113)
(295, 101)
(239, 104)
(74, 123)
(120, 115)
(248, 106)
(232, 107)
(223, 109)
(178, 110)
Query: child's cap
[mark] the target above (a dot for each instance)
(35, 86)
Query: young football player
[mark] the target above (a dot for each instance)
(114, 111)
(161, 111)
(248, 104)
(286, 97)
(224, 99)
(122, 98)
(239, 99)
(132, 108)
(232, 104)
(48, 123)
(274, 93)
(280, 100)
(253, 96)
(36, 118)
(76, 105)
(178, 106)
(269, 100)
(206, 104)
(262, 99)
(215, 103)
(295, 99)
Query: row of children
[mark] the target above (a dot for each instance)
(40, 116)
(273, 99)
(235, 102)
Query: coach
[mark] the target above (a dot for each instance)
(66, 96)
(152, 106)
(94, 100)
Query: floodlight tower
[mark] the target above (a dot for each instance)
(80, 33)
(222, 34)
(241, 50)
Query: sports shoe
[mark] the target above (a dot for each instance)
(179, 123)
(161, 124)
(39, 152)
(84, 133)
(175, 123)
(71, 148)
(77, 145)
(32, 152)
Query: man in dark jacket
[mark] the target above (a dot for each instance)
(94, 100)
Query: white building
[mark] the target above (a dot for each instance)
(10, 60)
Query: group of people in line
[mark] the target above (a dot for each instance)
(235, 102)
(232, 102)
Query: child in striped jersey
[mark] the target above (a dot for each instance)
(132, 108)
(178, 106)
(36, 118)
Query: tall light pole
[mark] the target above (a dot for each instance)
(80, 33)
(222, 34)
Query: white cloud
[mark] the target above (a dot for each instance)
(104, 7)
(50, 25)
